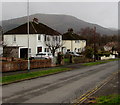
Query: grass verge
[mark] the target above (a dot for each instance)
(93, 63)
(98, 62)
(111, 99)
(29, 75)
(66, 60)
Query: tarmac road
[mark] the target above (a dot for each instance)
(59, 88)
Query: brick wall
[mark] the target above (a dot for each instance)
(23, 65)
(9, 59)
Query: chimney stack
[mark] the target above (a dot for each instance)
(70, 30)
(35, 20)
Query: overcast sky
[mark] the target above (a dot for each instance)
(102, 13)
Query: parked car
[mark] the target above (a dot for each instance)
(43, 55)
(73, 53)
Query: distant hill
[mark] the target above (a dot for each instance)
(60, 23)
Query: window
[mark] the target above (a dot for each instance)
(45, 38)
(46, 50)
(39, 37)
(68, 50)
(14, 38)
(39, 49)
(59, 38)
(53, 38)
(75, 49)
(29, 50)
(77, 41)
(56, 38)
(48, 38)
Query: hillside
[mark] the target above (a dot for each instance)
(60, 23)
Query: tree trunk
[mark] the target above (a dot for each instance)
(53, 53)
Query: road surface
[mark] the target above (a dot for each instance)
(59, 88)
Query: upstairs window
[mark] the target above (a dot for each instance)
(77, 41)
(48, 38)
(53, 38)
(39, 37)
(56, 38)
(45, 38)
(59, 38)
(14, 38)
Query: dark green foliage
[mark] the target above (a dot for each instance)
(111, 99)
(103, 53)
(89, 51)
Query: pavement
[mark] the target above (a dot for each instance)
(73, 66)
(59, 88)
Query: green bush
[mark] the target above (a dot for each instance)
(105, 53)
(89, 51)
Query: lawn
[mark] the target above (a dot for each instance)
(111, 99)
(66, 60)
(29, 75)
(93, 63)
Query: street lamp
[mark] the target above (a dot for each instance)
(28, 33)
(94, 36)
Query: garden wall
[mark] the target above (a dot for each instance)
(23, 65)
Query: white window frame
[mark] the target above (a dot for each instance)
(14, 38)
(39, 37)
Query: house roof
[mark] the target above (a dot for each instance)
(71, 36)
(34, 28)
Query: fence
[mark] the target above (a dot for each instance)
(23, 65)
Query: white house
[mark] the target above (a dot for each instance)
(16, 41)
(73, 42)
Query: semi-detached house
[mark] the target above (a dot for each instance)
(73, 42)
(16, 40)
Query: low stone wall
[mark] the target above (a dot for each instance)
(23, 65)
(109, 57)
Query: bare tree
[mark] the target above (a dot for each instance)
(53, 43)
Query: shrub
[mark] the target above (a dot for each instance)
(89, 52)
